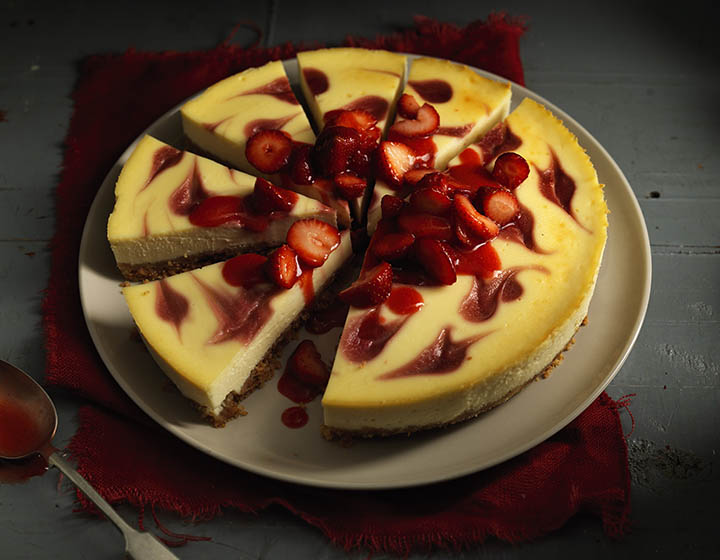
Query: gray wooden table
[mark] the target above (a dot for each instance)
(641, 78)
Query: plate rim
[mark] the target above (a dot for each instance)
(518, 91)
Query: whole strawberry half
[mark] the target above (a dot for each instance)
(268, 150)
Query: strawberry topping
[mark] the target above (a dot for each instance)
(407, 106)
(425, 225)
(471, 221)
(270, 198)
(268, 150)
(306, 364)
(391, 205)
(371, 288)
(313, 241)
(245, 270)
(425, 123)
(358, 119)
(510, 169)
(430, 201)
(436, 260)
(394, 160)
(301, 171)
(282, 267)
(501, 206)
(392, 246)
(349, 186)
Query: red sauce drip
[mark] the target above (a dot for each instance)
(444, 355)
(481, 261)
(295, 390)
(170, 305)
(267, 124)
(306, 284)
(433, 91)
(498, 140)
(365, 336)
(405, 300)
(19, 471)
(20, 431)
(294, 417)
(373, 104)
(327, 319)
(240, 315)
(557, 186)
(456, 131)
(279, 89)
(163, 158)
(316, 80)
(189, 194)
(485, 295)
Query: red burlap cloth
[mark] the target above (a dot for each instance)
(129, 459)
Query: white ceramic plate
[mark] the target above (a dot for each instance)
(259, 442)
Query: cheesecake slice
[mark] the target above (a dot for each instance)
(466, 104)
(225, 122)
(214, 330)
(473, 288)
(175, 210)
(351, 79)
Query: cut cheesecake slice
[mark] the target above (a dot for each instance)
(473, 310)
(213, 330)
(351, 79)
(227, 116)
(175, 210)
(467, 106)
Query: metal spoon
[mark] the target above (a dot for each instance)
(17, 388)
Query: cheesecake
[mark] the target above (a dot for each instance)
(215, 331)
(474, 288)
(175, 210)
(253, 122)
(444, 108)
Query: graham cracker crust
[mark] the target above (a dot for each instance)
(346, 437)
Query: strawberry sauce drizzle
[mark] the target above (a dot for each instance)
(316, 80)
(455, 131)
(365, 336)
(443, 355)
(189, 194)
(405, 300)
(163, 158)
(433, 91)
(278, 88)
(373, 104)
(482, 301)
(267, 124)
(170, 305)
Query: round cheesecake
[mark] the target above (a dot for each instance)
(457, 350)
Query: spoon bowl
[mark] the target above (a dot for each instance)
(28, 422)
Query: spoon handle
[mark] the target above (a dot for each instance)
(138, 546)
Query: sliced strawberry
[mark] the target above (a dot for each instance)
(359, 120)
(268, 150)
(270, 198)
(372, 288)
(245, 270)
(282, 267)
(306, 364)
(414, 176)
(436, 260)
(429, 200)
(501, 206)
(301, 171)
(349, 186)
(407, 106)
(510, 169)
(392, 246)
(394, 159)
(473, 222)
(436, 180)
(334, 149)
(391, 205)
(425, 225)
(425, 123)
(313, 241)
